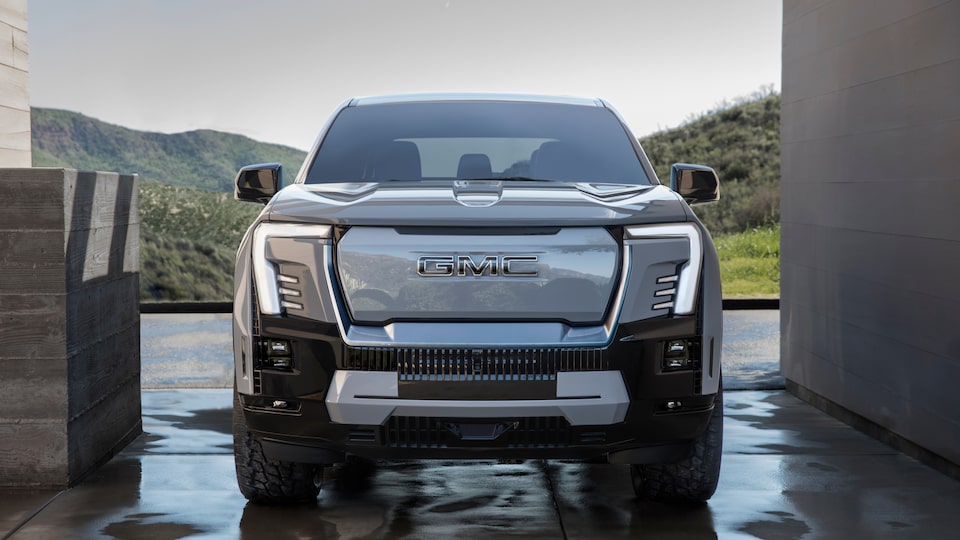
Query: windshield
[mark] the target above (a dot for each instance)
(476, 140)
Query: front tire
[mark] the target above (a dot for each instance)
(263, 480)
(691, 480)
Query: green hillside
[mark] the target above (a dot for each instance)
(189, 236)
(743, 144)
(202, 159)
(188, 241)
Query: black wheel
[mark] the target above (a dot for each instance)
(691, 480)
(265, 480)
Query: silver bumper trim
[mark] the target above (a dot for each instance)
(583, 398)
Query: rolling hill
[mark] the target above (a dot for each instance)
(191, 226)
(201, 159)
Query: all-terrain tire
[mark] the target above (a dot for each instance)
(691, 480)
(264, 480)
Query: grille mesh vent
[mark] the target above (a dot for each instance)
(429, 432)
(413, 364)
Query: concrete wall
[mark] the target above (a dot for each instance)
(14, 96)
(870, 197)
(69, 323)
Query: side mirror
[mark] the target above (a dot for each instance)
(697, 184)
(258, 183)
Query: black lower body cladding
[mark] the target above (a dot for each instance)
(663, 408)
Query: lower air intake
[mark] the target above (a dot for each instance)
(474, 364)
(430, 432)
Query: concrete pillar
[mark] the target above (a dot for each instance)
(69, 323)
(14, 78)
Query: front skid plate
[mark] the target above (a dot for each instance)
(583, 398)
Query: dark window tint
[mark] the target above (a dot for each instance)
(476, 139)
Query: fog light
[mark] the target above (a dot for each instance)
(277, 354)
(280, 362)
(676, 355)
(278, 347)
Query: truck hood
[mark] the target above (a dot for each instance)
(476, 203)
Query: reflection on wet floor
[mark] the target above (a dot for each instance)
(789, 471)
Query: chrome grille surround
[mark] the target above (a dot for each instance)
(563, 274)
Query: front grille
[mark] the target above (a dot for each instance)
(416, 364)
(430, 432)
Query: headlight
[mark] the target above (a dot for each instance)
(265, 274)
(685, 294)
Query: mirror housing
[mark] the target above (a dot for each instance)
(697, 184)
(258, 183)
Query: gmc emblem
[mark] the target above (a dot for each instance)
(466, 265)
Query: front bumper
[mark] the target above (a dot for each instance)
(621, 405)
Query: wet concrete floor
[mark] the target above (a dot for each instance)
(789, 472)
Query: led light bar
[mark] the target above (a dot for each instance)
(265, 274)
(685, 301)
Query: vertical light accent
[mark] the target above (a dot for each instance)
(265, 271)
(686, 299)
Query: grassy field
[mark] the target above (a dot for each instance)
(750, 263)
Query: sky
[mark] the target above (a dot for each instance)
(274, 70)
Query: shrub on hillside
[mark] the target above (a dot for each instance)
(173, 270)
(743, 144)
